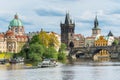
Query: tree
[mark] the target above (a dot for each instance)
(116, 42)
(37, 49)
(62, 54)
(50, 53)
(44, 38)
(48, 39)
(35, 39)
(62, 48)
(53, 40)
(35, 57)
(42, 46)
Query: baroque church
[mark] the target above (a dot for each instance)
(14, 38)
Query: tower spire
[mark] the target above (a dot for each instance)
(67, 18)
(96, 22)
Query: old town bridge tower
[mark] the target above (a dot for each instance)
(67, 30)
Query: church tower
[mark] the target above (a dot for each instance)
(96, 30)
(67, 30)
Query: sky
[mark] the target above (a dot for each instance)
(47, 14)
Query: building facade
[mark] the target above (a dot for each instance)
(110, 38)
(14, 39)
(101, 41)
(79, 40)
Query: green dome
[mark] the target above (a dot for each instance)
(16, 22)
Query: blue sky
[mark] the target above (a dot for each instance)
(47, 14)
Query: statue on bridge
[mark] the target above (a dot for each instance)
(71, 45)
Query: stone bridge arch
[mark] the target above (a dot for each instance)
(89, 51)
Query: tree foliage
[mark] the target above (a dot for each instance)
(62, 48)
(62, 54)
(42, 46)
(116, 42)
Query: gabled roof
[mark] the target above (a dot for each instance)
(110, 33)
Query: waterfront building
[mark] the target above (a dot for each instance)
(14, 39)
(110, 38)
(101, 41)
(79, 40)
(89, 41)
(101, 54)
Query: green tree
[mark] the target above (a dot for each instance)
(50, 53)
(62, 55)
(35, 39)
(36, 51)
(62, 48)
(36, 48)
(116, 42)
(35, 57)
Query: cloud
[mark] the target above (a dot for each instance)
(27, 23)
(44, 12)
(48, 14)
(3, 20)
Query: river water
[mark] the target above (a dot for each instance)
(76, 71)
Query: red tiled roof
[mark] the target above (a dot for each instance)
(21, 36)
(1, 35)
(78, 36)
(9, 33)
(90, 37)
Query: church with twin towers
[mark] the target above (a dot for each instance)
(68, 34)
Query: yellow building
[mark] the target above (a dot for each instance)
(101, 41)
(101, 55)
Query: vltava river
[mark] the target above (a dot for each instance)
(77, 71)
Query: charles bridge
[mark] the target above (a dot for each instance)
(87, 52)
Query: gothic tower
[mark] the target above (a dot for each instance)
(96, 30)
(67, 30)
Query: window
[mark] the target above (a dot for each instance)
(16, 29)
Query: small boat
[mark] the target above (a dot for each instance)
(47, 63)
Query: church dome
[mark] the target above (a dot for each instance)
(16, 22)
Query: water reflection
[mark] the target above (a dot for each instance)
(67, 74)
(76, 71)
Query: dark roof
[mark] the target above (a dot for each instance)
(67, 19)
(110, 34)
(96, 24)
